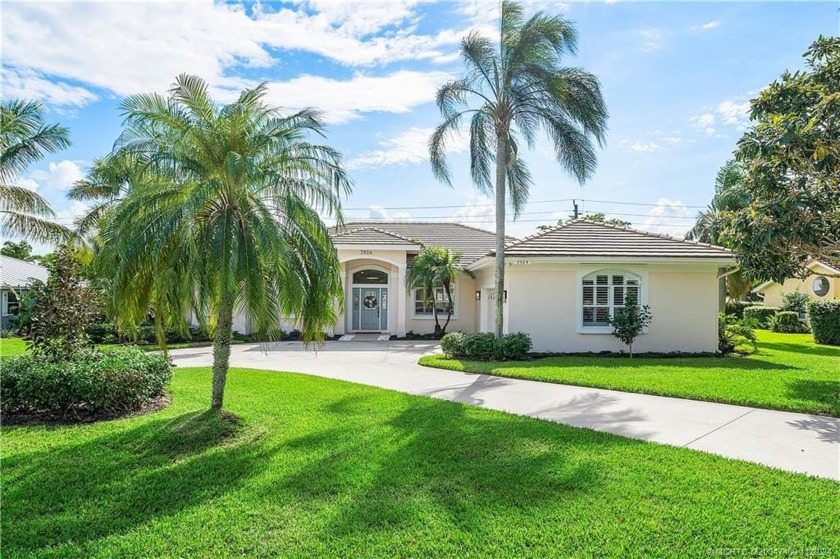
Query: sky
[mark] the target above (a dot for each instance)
(677, 79)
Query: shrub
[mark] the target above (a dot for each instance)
(760, 314)
(99, 333)
(825, 321)
(630, 321)
(736, 308)
(93, 383)
(734, 333)
(795, 301)
(516, 345)
(452, 344)
(484, 346)
(787, 322)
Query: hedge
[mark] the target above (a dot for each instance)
(736, 308)
(94, 383)
(760, 314)
(824, 317)
(484, 346)
(787, 322)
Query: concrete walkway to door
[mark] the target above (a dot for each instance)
(790, 441)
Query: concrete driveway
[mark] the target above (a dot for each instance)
(795, 442)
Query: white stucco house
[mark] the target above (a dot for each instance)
(560, 284)
(16, 277)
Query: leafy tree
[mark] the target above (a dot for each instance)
(64, 307)
(24, 139)
(434, 267)
(596, 217)
(514, 86)
(21, 250)
(226, 215)
(791, 161)
(630, 321)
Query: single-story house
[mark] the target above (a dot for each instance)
(16, 277)
(561, 284)
(823, 283)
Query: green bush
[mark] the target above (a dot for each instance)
(483, 346)
(787, 322)
(94, 383)
(795, 301)
(98, 333)
(735, 334)
(452, 344)
(736, 308)
(825, 321)
(760, 314)
(515, 346)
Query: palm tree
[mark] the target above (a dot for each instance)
(710, 226)
(435, 267)
(24, 140)
(511, 89)
(225, 216)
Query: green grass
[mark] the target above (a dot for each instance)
(790, 372)
(323, 468)
(11, 346)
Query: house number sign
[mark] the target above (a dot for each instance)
(365, 251)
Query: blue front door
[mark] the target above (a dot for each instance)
(370, 305)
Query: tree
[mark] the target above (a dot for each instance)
(630, 321)
(24, 140)
(435, 267)
(596, 217)
(511, 89)
(730, 196)
(791, 161)
(226, 215)
(21, 250)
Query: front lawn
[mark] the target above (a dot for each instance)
(318, 467)
(12, 346)
(790, 372)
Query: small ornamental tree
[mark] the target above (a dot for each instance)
(630, 321)
(64, 308)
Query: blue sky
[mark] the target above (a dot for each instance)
(676, 76)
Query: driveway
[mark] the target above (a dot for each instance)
(795, 442)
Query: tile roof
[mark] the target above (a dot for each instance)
(370, 236)
(19, 273)
(471, 242)
(583, 238)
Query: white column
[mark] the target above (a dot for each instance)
(401, 295)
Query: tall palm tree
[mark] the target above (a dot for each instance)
(434, 267)
(710, 225)
(24, 140)
(226, 217)
(510, 90)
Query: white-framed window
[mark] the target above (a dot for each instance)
(603, 293)
(423, 305)
(10, 303)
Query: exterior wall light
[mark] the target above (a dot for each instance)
(478, 295)
(505, 295)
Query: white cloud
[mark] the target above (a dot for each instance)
(668, 217)
(128, 48)
(58, 176)
(704, 122)
(640, 146)
(408, 147)
(735, 114)
(341, 101)
(479, 211)
(706, 26)
(27, 84)
(651, 39)
(378, 213)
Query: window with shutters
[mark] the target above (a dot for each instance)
(604, 293)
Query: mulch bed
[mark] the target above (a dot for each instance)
(24, 419)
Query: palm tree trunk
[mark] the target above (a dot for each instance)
(501, 161)
(221, 350)
(448, 291)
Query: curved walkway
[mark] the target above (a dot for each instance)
(795, 442)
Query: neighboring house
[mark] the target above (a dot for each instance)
(561, 284)
(16, 277)
(823, 283)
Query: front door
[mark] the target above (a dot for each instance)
(371, 306)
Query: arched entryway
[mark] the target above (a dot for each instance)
(369, 300)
